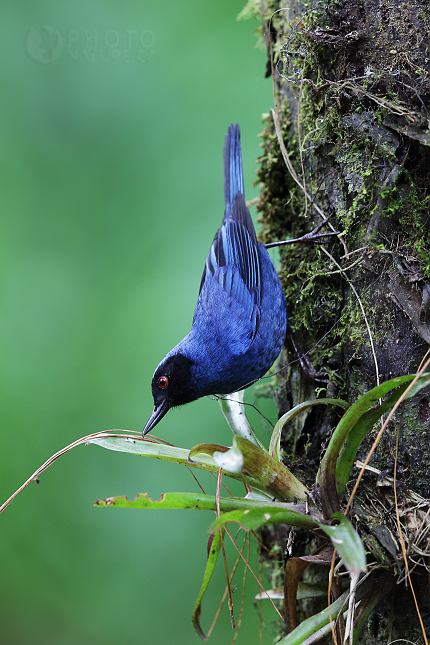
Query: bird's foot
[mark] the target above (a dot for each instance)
(314, 237)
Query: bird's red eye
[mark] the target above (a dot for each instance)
(163, 382)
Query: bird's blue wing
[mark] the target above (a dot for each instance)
(234, 259)
(234, 262)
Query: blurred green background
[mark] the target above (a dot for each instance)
(112, 123)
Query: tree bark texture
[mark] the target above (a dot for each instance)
(352, 97)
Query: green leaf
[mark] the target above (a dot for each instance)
(214, 546)
(170, 453)
(144, 448)
(206, 449)
(251, 519)
(327, 473)
(343, 536)
(260, 470)
(274, 447)
(363, 426)
(347, 543)
(270, 475)
(196, 501)
(358, 432)
(318, 623)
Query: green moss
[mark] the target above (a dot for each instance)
(410, 208)
(280, 202)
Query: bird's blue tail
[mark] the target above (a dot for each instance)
(233, 175)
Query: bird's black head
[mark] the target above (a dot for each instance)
(171, 386)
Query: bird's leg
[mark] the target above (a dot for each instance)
(306, 365)
(314, 237)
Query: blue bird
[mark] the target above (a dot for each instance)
(240, 321)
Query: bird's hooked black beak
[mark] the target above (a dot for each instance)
(158, 413)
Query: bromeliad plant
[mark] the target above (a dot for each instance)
(275, 495)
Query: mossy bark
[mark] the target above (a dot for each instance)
(352, 95)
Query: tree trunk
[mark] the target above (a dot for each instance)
(352, 93)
